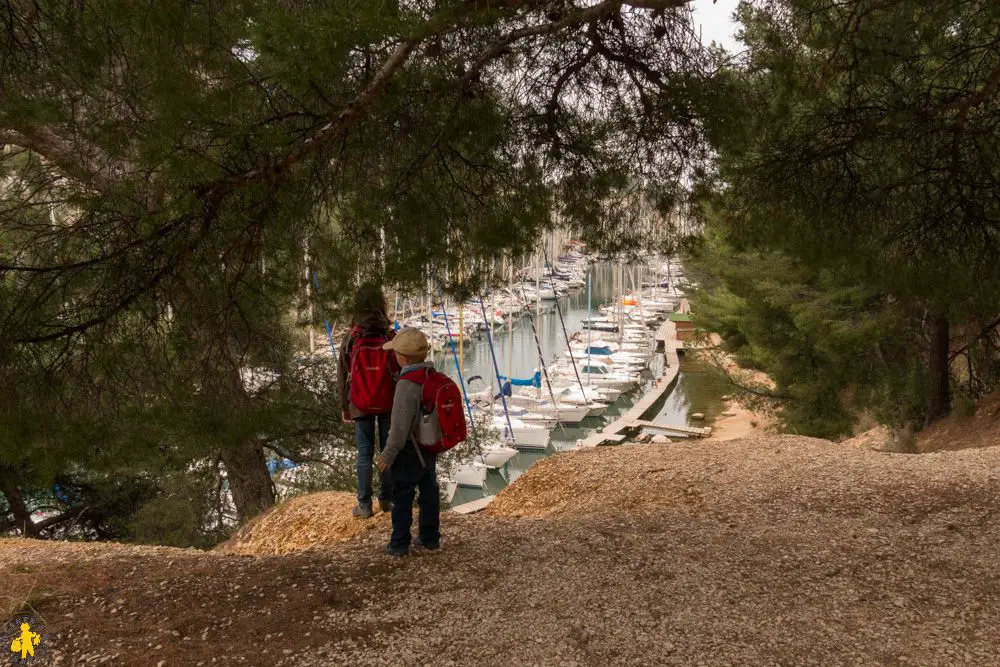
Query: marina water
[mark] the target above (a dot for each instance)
(696, 390)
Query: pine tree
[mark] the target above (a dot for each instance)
(169, 166)
(864, 143)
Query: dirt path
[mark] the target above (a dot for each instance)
(769, 551)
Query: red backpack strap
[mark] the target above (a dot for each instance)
(358, 332)
(418, 375)
(352, 337)
(393, 364)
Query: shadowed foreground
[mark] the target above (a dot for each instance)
(767, 551)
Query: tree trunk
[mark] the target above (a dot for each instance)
(207, 321)
(22, 517)
(249, 481)
(939, 378)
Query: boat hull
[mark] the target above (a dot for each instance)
(565, 413)
(496, 457)
(470, 475)
(529, 438)
(597, 410)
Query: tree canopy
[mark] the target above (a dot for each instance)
(177, 177)
(173, 172)
(864, 148)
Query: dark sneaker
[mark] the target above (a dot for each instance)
(362, 511)
(429, 547)
(395, 552)
(385, 505)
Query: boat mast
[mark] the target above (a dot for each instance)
(590, 277)
(538, 287)
(637, 283)
(496, 371)
(461, 379)
(461, 337)
(538, 312)
(621, 303)
(309, 302)
(488, 317)
(569, 348)
(430, 316)
(614, 299)
(510, 322)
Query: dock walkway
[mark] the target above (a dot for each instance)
(474, 506)
(674, 429)
(666, 336)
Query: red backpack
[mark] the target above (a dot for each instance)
(441, 422)
(371, 372)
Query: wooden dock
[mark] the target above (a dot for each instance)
(675, 429)
(474, 506)
(666, 336)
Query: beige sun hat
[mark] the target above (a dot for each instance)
(409, 342)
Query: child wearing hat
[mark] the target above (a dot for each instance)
(413, 470)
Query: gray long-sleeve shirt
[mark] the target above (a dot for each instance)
(405, 410)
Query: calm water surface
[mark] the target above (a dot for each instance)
(697, 390)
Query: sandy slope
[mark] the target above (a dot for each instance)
(738, 422)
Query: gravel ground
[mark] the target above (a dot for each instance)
(764, 551)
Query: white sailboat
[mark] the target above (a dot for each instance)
(450, 488)
(470, 475)
(561, 413)
(496, 456)
(596, 399)
(599, 374)
(522, 413)
(623, 363)
(525, 436)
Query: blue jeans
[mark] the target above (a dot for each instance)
(410, 476)
(364, 437)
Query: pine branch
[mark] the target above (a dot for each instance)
(296, 457)
(964, 105)
(345, 117)
(985, 331)
(721, 362)
(82, 161)
(68, 515)
(91, 166)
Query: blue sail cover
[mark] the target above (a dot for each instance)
(593, 349)
(534, 381)
(274, 465)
